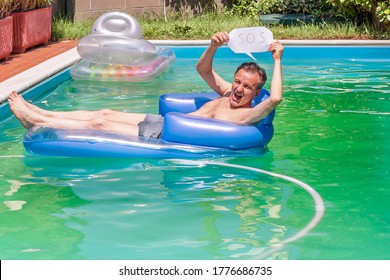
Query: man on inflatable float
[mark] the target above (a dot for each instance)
(238, 118)
(233, 105)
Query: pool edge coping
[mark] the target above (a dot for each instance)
(46, 69)
(38, 73)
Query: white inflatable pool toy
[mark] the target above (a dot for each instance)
(115, 51)
(103, 72)
(118, 23)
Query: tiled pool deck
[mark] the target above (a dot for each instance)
(18, 63)
(24, 70)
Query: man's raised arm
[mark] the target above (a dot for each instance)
(205, 64)
(267, 106)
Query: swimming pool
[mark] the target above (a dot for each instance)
(331, 132)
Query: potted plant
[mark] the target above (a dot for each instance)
(32, 24)
(6, 28)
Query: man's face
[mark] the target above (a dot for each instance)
(244, 89)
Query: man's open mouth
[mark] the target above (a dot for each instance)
(237, 97)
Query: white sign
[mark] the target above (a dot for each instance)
(250, 40)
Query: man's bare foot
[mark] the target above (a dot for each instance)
(14, 95)
(25, 115)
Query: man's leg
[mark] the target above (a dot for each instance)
(110, 115)
(30, 118)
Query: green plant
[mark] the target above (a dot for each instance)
(316, 8)
(377, 11)
(203, 26)
(269, 7)
(28, 5)
(383, 12)
(244, 8)
(254, 8)
(6, 8)
(63, 28)
(44, 3)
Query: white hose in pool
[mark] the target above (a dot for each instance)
(319, 203)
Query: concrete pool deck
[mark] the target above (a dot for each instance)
(23, 71)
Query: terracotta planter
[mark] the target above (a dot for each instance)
(6, 38)
(31, 28)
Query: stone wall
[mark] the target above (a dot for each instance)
(83, 9)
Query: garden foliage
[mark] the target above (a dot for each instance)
(377, 12)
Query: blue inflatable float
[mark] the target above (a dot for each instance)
(183, 136)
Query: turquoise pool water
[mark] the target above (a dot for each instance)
(331, 132)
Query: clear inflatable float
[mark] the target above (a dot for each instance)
(116, 52)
